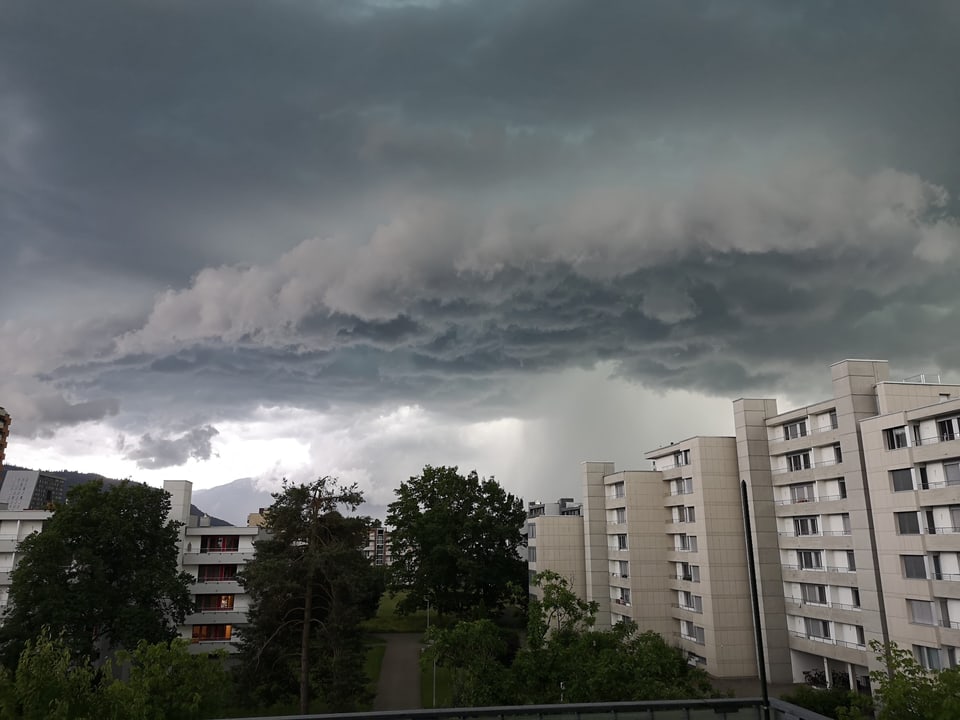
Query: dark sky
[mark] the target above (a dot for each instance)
(255, 238)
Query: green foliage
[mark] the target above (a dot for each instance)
(560, 611)
(165, 682)
(310, 588)
(455, 543)
(911, 692)
(477, 654)
(565, 660)
(103, 573)
(836, 702)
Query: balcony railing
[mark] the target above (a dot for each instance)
(720, 708)
(800, 602)
(827, 640)
(690, 608)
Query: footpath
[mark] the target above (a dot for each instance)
(399, 684)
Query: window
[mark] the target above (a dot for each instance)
(691, 601)
(952, 472)
(798, 461)
(209, 603)
(924, 480)
(842, 486)
(619, 490)
(817, 628)
(219, 543)
(816, 594)
(907, 523)
(929, 657)
(837, 454)
(801, 492)
(810, 559)
(896, 437)
(833, 420)
(902, 479)
(807, 525)
(845, 523)
(686, 514)
(690, 573)
(795, 430)
(861, 638)
(624, 596)
(622, 541)
(855, 595)
(532, 553)
(921, 612)
(621, 515)
(217, 573)
(681, 457)
(914, 567)
(947, 429)
(692, 632)
(531, 531)
(851, 561)
(211, 633)
(624, 569)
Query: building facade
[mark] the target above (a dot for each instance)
(377, 550)
(213, 555)
(31, 490)
(855, 514)
(555, 542)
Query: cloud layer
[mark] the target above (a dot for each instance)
(210, 211)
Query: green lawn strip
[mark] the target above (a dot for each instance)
(444, 687)
(387, 620)
(375, 651)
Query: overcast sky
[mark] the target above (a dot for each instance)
(353, 238)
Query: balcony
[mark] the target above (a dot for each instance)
(827, 641)
(216, 587)
(216, 617)
(688, 608)
(227, 557)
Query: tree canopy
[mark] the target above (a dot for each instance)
(310, 587)
(565, 659)
(455, 542)
(103, 572)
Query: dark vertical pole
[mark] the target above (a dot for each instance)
(755, 598)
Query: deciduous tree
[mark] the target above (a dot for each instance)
(455, 542)
(103, 574)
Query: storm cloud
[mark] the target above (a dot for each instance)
(213, 211)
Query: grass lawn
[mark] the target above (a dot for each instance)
(387, 620)
(375, 650)
(444, 687)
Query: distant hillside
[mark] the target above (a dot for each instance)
(72, 478)
(235, 500)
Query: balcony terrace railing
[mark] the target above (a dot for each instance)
(720, 709)
(827, 640)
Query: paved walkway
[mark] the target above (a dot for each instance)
(399, 685)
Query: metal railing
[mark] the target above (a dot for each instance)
(827, 640)
(719, 708)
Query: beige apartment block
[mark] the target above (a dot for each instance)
(710, 607)
(595, 538)
(912, 458)
(555, 542)
(832, 607)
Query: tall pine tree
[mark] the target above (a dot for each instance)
(310, 588)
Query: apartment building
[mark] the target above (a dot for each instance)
(377, 550)
(15, 525)
(855, 514)
(212, 554)
(912, 458)
(670, 544)
(31, 490)
(555, 542)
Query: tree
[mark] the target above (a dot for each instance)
(310, 587)
(561, 610)
(455, 543)
(166, 682)
(477, 654)
(906, 690)
(103, 573)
